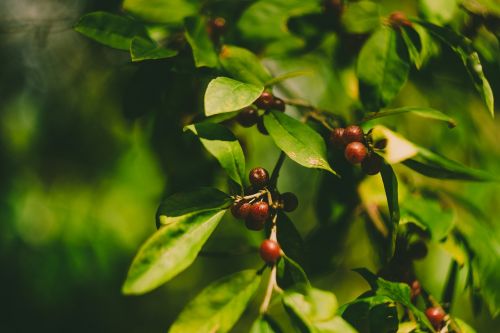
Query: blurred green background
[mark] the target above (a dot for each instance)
(90, 144)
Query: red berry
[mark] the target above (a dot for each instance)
(353, 133)
(260, 126)
(265, 100)
(290, 201)
(278, 104)
(218, 25)
(355, 152)
(372, 164)
(416, 288)
(259, 211)
(398, 19)
(255, 225)
(435, 315)
(248, 117)
(270, 251)
(337, 137)
(241, 210)
(259, 177)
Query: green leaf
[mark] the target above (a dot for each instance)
(243, 65)
(224, 146)
(227, 95)
(109, 29)
(361, 17)
(289, 238)
(429, 213)
(463, 47)
(382, 68)
(397, 292)
(291, 275)
(423, 112)
(438, 11)
(170, 12)
(265, 324)
(464, 327)
(181, 205)
(315, 311)
(299, 141)
(169, 251)
(414, 45)
(145, 49)
(376, 314)
(197, 36)
(391, 191)
(218, 306)
(395, 147)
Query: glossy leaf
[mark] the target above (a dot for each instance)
(218, 306)
(227, 95)
(463, 47)
(224, 146)
(361, 17)
(109, 29)
(170, 250)
(265, 324)
(182, 205)
(299, 141)
(438, 11)
(170, 12)
(382, 68)
(243, 65)
(197, 36)
(423, 112)
(145, 49)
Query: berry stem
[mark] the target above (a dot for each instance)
(271, 284)
(276, 171)
(249, 197)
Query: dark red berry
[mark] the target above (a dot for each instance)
(355, 152)
(241, 210)
(353, 133)
(278, 104)
(248, 117)
(435, 315)
(260, 126)
(259, 211)
(416, 288)
(255, 225)
(270, 251)
(290, 201)
(372, 164)
(259, 177)
(417, 250)
(218, 25)
(337, 137)
(398, 19)
(265, 100)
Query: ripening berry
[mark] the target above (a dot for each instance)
(372, 164)
(416, 288)
(417, 250)
(290, 201)
(435, 315)
(248, 117)
(254, 225)
(353, 133)
(241, 210)
(259, 211)
(270, 251)
(260, 126)
(398, 19)
(265, 100)
(218, 25)
(337, 138)
(259, 177)
(278, 104)
(355, 152)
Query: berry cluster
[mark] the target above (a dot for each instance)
(249, 116)
(352, 140)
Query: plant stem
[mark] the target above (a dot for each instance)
(449, 289)
(271, 284)
(276, 171)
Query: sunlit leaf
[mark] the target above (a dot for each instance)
(170, 12)
(197, 36)
(242, 65)
(218, 306)
(361, 17)
(423, 112)
(227, 95)
(111, 30)
(169, 251)
(299, 141)
(265, 324)
(438, 11)
(382, 68)
(224, 146)
(395, 147)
